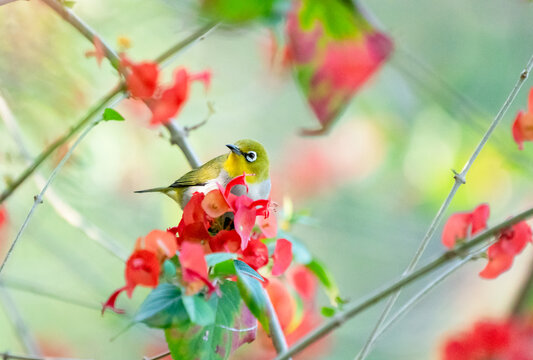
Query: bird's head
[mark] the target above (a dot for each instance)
(250, 157)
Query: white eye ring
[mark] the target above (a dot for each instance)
(251, 156)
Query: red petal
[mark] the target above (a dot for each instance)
(204, 76)
(255, 254)
(518, 136)
(282, 256)
(303, 281)
(161, 242)
(239, 180)
(515, 239)
(214, 204)
(455, 229)
(192, 261)
(268, 225)
(110, 303)
(499, 262)
(530, 101)
(225, 240)
(244, 219)
(480, 215)
(193, 211)
(171, 100)
(3, 216)
(143, 78)
(142, 268)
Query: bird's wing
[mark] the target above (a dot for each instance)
(198, 177)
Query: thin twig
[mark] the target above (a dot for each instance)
(4, 2)
(63, 209)
(276, 332)
(19, 325)
(103, 103)
(157, 357)
(7, 355)
(460, 179)
(38, 289)
(522, 299)
(39, 198)
(350, 310)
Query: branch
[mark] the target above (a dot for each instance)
(39, 198)
(13, 314)
(460, 179)
(353, 309)
(6, 356)
(276, 333)
(103, 103)
(63, 209)
(4, 2)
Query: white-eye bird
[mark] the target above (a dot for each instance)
(246, 157)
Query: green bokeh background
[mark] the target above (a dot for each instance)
(395, 146)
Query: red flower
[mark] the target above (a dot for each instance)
(509, 340)
(194, 267)
(142, 268)
(282, 256)
(304, 281)
(3, 216)
(98, 52)
(501, 255)
(172, 99)
(225, 241)
(462, 225)
(523, 124)
(142, 79)
(194, 222)
(255, 254)
(162, 243)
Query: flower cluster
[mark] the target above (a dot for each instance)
(165, 102)
(218, 221)
(523, 124)
(495, 340)
(510, 241)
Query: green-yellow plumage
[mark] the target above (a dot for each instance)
(246, 156)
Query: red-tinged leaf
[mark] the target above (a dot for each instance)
(334, 51)
(282, 257)
(192, 262)
(98, 53)
(110, 303)
(142, 268)
(255, 254)
(234, 326)
(142, 79)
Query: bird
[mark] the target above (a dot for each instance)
(246, 156)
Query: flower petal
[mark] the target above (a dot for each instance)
(455, 229)
(192, 262)
(255, 254)
(499, 262)
(282, 256)
(110, 303)
(480, 215)
(142, 268)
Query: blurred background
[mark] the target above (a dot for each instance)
(372, 185)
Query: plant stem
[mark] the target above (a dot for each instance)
(63, 209)
(460, 179)
(353, 309)
(39, 198)
(26, 337)
(103, 103)
(522, 299)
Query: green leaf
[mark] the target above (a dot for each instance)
(244, 268)
(224, 268)
(69, 4)
(327, 311)
(200, 312)
(112, 115)
(234, 325)
(216, 258)
(326, 279)
(162, 307)
(169, 269)
(252, 292)
(238, 11)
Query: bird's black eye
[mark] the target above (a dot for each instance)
(251, 156)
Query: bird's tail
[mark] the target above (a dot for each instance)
(158, 189)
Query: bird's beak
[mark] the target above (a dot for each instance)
(235, 149)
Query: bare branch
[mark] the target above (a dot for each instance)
(460, 179)
(350, 310)
(6, 356)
